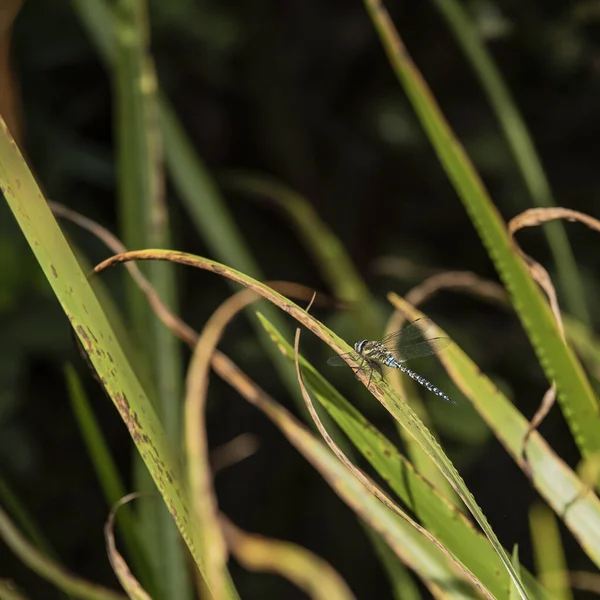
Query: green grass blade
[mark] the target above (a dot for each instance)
(191, 178)
(434, 510)
(89, 322)
(9, 591)
(327, 251)
(577, 400)
(49, 569)
(523, 149)
(569, 497)
(549, 555)
(107, 473)
(11, 502)
(402, 584)
(144, 222)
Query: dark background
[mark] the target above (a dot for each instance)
(301, 90)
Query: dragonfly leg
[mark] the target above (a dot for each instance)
(356, 370)
(374, 366)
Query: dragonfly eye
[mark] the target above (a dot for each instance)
(359, 345)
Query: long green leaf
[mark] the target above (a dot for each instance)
(89, 322)
(106, 471)
(327, 251)
(522, 146)
(578, 402)
(145, 222)
(197, 190)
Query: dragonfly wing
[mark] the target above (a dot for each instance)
(426, 348)
(413, 331)
(338, 360)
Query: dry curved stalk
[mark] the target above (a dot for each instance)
(130, 584)
(308, 571)
(585, 581)
(233, 451)
(199, 478)
(537, 216)
(371, 486)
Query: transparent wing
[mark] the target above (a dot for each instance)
(338, 360)
(413, 331)
(420, 349)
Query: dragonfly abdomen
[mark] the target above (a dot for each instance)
(426, 384)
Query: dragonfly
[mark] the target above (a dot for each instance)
(393, 351)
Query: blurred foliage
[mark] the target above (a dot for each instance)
(302, 91)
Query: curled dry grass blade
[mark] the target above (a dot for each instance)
(129, 583)
(578, 401)
(383, 392)
(573, 501)
(309, 572)
(50, 570)
(199, 474)
(533, 218)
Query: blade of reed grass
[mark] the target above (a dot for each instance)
(107, 472)
(89, 322)
(191, 178)
(144, 221)
(577, 399)
(522, 146)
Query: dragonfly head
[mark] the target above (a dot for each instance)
(359, 346)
